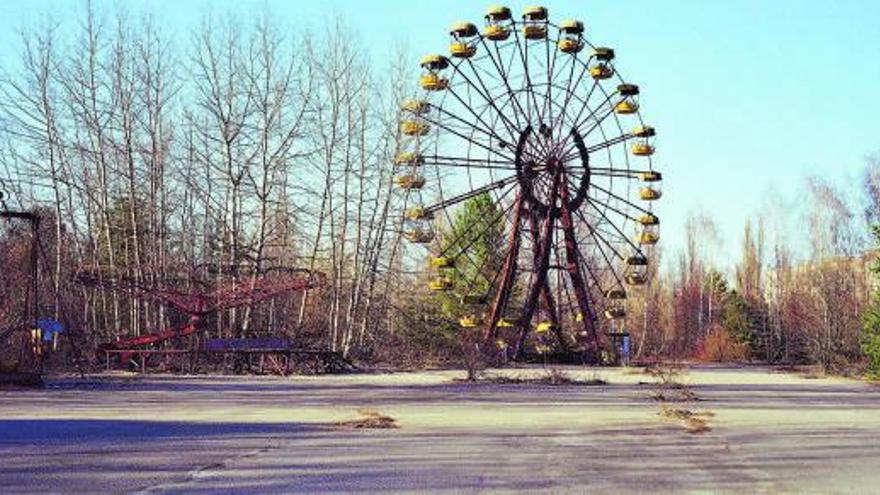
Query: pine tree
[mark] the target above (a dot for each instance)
(870, 341)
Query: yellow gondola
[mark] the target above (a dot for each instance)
(649, 193)
(642, 149)
(637, 260)
(408, 158)
(498, 13)
(571, 26)
(433, 82)
(544, 327)
(409, 181)
(604, 54)
(442, 262)
(535, 13)
(570, 45)
(504, 323)
(628, 90)
(434, 62)
(616, 294)
(615, 313)
(649, 219)
(440, 284)
(626, 107)
(650, 176)
(648, 238)
(635, 279)
(644, 131)
(468, 321)
(418, 213)
(495, 32)
(579, 317)
(460, 49)
(534, 31)
(463, 30)
(418, 236)
(601, 71)
(418, 107)
(414, 128)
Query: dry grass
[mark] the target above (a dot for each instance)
(370, 419)
(552, 377)
(694, 422)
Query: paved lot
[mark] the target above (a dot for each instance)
(771, 432)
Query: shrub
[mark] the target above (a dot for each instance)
(720, 347)
(870, 341)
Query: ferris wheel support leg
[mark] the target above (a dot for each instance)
(509, 271)
(541, 264)
(577, 282)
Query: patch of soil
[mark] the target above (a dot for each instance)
(370, 419)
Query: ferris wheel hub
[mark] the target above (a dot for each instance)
(538, 161)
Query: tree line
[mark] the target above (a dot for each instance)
(248, 146)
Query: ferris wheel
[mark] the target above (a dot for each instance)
(536, 121)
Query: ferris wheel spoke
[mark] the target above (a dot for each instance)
(462, 162)
(584, 104)
(500, 68)
(471, 194)
(604, 256)
(605, 105)
(589, 268)
(470, 140)
(619, 198)
(568, 91)
(523, 55)
(488, 131)
(618, 172)
(613, 209)
(605, 110)
(573, 152)
(511, 127)
(547, 104)
(614, 225)
(600, 240)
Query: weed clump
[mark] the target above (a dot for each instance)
(552, 377)
(370, 419)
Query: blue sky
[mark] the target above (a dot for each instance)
(748, 96)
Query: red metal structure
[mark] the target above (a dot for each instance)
(198, 304)
(531, 115)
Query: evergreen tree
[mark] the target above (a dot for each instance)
(475, 239)
(870, 339)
